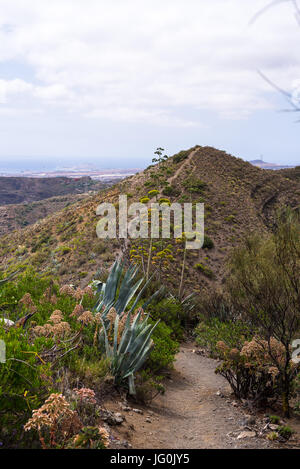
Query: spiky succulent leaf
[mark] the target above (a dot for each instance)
(128, 353)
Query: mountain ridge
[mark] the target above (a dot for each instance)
(238, 197)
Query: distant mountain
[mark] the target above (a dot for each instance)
(17, 190)
(14, 217)
(265, 165)
(239, 198)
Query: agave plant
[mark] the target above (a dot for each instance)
(131, 341)
(119, 290)
(130, 346)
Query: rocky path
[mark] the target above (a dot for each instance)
(196, 412)
(181, 167)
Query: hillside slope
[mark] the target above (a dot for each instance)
(16, 190)
(16, 216)
(238, 198)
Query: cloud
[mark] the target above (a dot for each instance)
(144, 61)
(13, 89)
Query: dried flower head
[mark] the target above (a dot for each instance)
(234, 354)
(222, 347)
(88, 291)
(105, 436)
(58, 328)
(86, 318)
(86, 394)
(27, 302)
(54, 407)
(47, 294)
(111, 315)
(61, 330)
(78, 294)
(53, 299)
(264, 352)
(56, 317)
(77, 311)
(67, 290)
(98, 317)
(54, 420)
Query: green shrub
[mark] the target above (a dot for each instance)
(272, 436)
(164, 201)
(248, 372)
(274, 419)
(285, 431)
(63, 250)
(171, 312)
(230, 219)
(153, 193)
(233, 334)
(208, 243)
(264, 282)
(165, 348)
(148, 386)
(204, 270)
(88, 366)
(170, 191)
(88, 438)
(195, 185)
(24, 377)
(182, 155)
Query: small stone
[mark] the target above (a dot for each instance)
(119, 418)
(273, 427)
(235, 404)
(148, 420)
(126, 444)
(249, 420)
(138, 411)
(246, 435)
(125, 408)
(112, 418)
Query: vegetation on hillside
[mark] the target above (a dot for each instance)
(253, 325)
(80, 324)
(73, 336)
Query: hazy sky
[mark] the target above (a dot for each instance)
(92, 81)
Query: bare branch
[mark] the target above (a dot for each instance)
(267, 7)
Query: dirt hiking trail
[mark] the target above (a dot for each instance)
(182, 167)
(197, 411)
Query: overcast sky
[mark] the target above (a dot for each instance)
(92, 81)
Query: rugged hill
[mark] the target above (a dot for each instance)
(238, 198)
(16, 190)
(14, 217)
(291, 173)
(267, 165)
